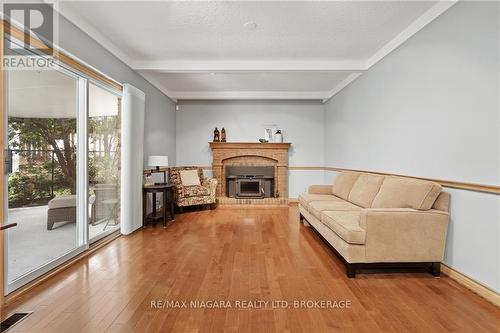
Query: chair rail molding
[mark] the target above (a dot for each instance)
(485, 188)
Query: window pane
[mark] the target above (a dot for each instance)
(104, 161)
(42, 196)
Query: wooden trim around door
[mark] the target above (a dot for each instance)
(59, 55)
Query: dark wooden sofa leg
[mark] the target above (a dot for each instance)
(436, 269)
(213, 206)
(351, 270)
(301, 218)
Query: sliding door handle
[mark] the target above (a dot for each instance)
(8, 161)
(7, 226)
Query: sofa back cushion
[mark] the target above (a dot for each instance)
(175, 174)
(344, 183)
(365, 189)
(400, 192)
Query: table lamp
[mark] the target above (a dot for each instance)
(158, 161)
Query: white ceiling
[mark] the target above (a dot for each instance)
(203, 49)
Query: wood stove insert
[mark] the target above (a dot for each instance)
(250, 181)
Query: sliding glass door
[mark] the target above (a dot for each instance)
(63, 135)
(43, 195)
(104, 125)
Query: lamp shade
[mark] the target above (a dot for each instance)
(158, 161)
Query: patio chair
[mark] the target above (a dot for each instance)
(100, 209)
(61, 209)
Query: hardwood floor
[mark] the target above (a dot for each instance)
(233, 254)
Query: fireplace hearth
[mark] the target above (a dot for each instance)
(250, 182)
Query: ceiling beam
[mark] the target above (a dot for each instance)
(356, 67)
(249, 95)
(186, 66)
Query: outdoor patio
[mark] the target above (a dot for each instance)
(30, 243)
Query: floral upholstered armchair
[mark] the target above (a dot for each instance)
(192, 188)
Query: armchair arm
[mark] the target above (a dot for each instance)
(211, 183)
(178, 192)
(404, 235)
(320, 189)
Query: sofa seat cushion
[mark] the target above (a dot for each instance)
(63, 201)
(365, 189)
(344, 183)
(316, 207)
(346, 225)
(306, 198)
(195, 191)
(400, 192)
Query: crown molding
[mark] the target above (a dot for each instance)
(145, 68)
(161, 87)
(89, 29)
(95, 34)
(344, 83)
(430, 15)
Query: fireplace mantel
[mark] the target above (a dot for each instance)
(249, 145)
(251, 154)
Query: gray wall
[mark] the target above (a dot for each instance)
(431, 108)
(300, 121)
(159, 124)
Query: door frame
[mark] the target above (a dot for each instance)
(81, 186)
(84, 71)
(2, 187)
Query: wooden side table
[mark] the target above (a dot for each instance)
(168, 203)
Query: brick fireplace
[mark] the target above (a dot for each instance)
(232, 154)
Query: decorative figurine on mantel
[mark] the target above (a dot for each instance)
(223, 135)
(216, 135)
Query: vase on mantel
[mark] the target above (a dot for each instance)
(278, 137)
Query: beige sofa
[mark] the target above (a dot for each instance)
(373, 220)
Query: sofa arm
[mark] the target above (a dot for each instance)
(320, 189)
(404, 235)
(211, 183)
